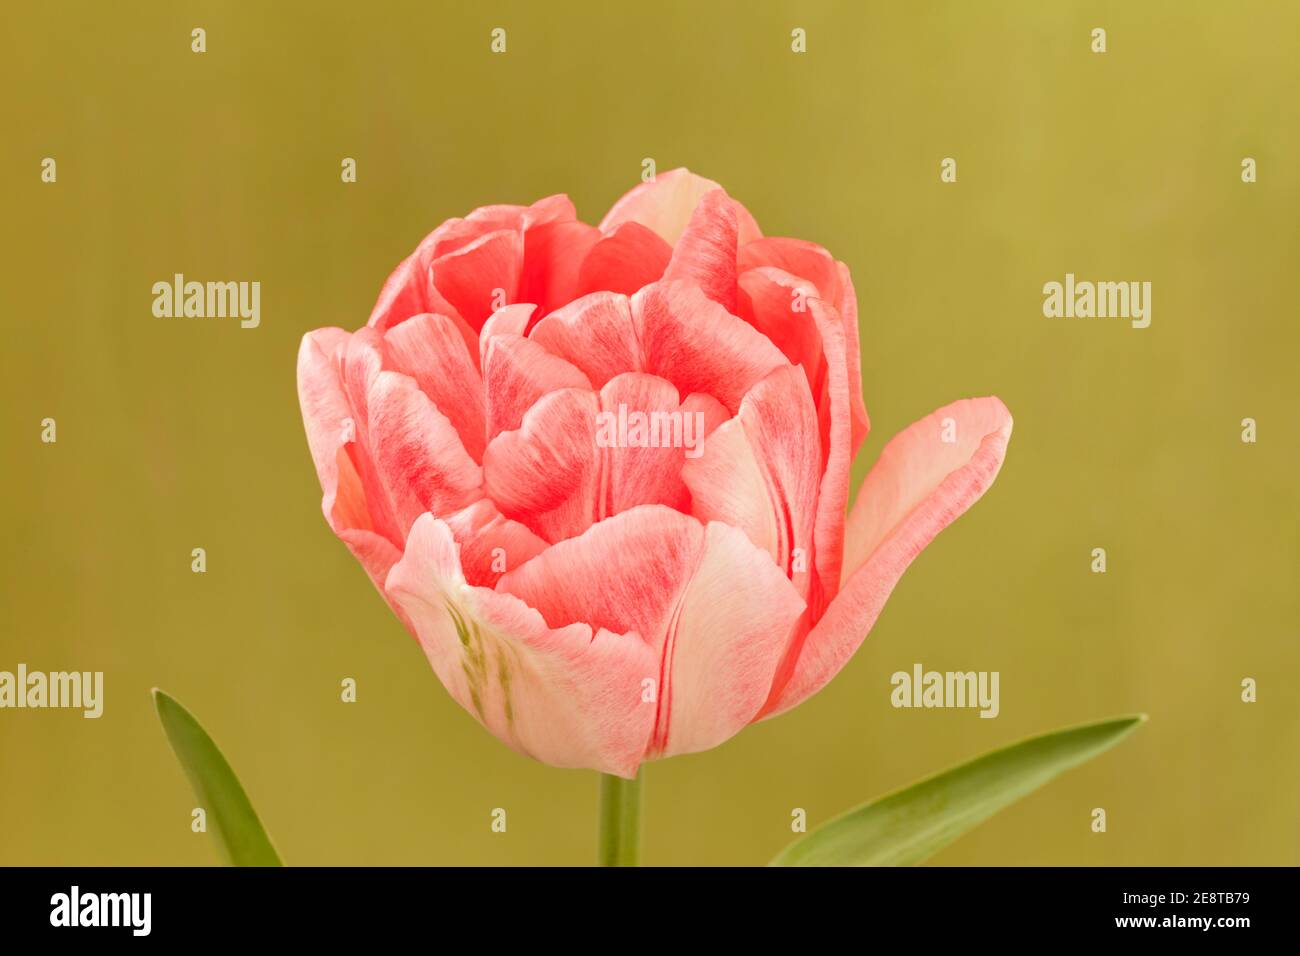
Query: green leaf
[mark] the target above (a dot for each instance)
(910, 825)
(230, 816)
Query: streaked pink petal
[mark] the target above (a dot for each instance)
(491, 544)
(760, 473)
(545, 474)
(697, 345)
(565, 696)
(516, 373)
(647, 470)
(706, 253)
(628, 258)
(595, 333)
(417, 453)
(919, 486)
(432, 350)
(507, 320)
(625, 574)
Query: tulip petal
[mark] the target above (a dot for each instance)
(553, 254)
(706, 252)
(919, 486)
(665, 204)
(630, 257)
(760, 473)
(545, 474)
(432, 350)
(644, 436)
(714, 609)
(516, 373)
(733, 630)
(625, 574)
(566, 696)
(417, 453)
(595, 333)
(480, 275)
(697, 345)
(491, 544)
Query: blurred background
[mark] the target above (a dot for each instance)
(175, 434)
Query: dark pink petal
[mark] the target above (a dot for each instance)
(482, 275)
(553, 254)
(628, 258)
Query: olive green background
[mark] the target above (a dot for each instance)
(175, 434)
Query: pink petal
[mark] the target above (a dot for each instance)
(732, 631)
(624, 574)
(490, 544)
(647, 470)
(417, 453)
(807, 260)
(760, 473)
(697, 345)
(431, 349)
(706, 252)
(553, 254)
(482, 275)
(324, 405)
(568, 697)
(545, 474)
(714, 609)
(665, 205)
(847, 307)
(919, 486)
(507, 320)
(595, 333)
(516, 373)
(628, 258)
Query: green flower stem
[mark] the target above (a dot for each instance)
(620, 820)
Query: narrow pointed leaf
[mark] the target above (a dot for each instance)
(912, 824)
(231, 819)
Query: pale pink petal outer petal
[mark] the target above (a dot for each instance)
(919, 486)
(665, 205)
(566, 696)
(733, 629)
(706, 253)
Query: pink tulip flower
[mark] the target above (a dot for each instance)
(596, 596)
